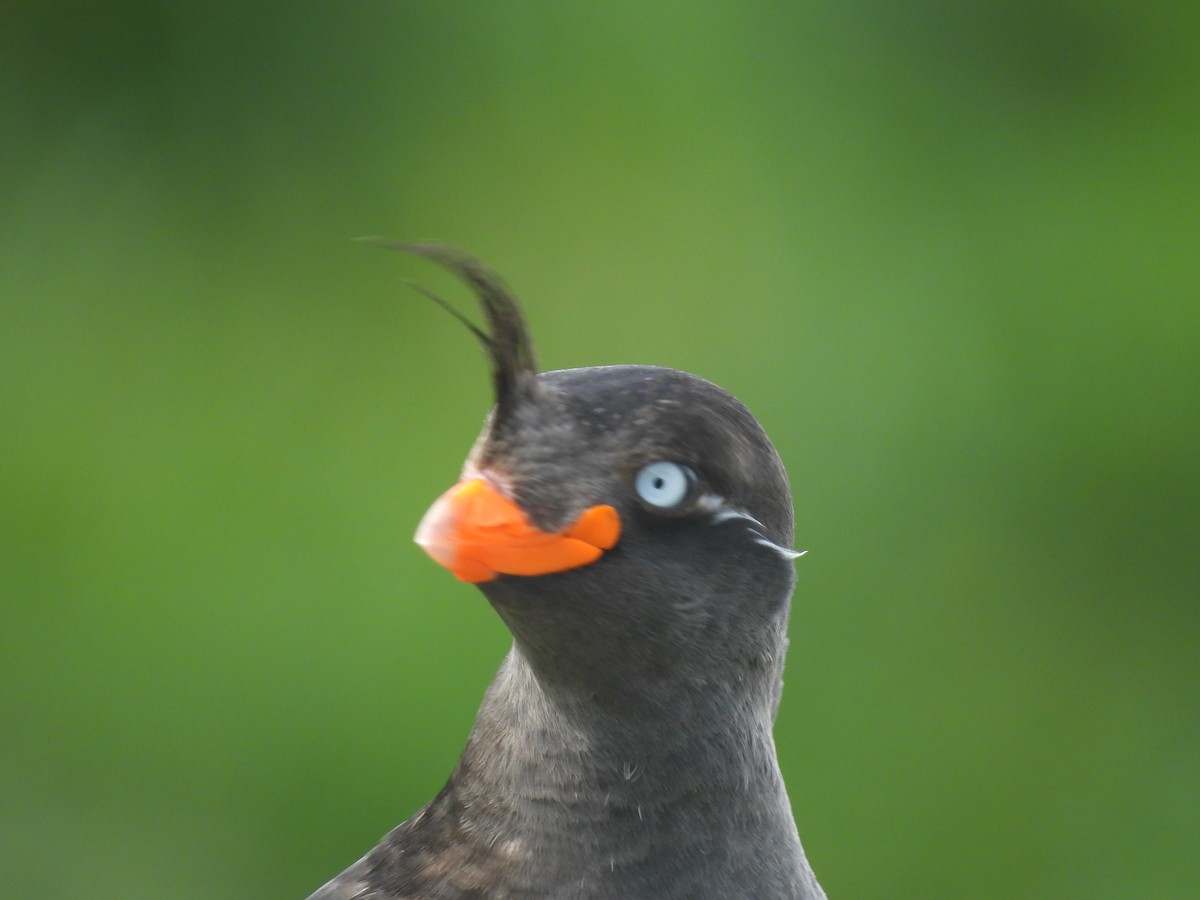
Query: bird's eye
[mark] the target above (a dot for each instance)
(664, 484)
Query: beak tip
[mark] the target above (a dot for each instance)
(433, 533)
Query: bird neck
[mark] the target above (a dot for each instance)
(709, 765)
(557, 796)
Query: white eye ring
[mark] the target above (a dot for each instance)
(663, 484)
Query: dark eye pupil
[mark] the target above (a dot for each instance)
(659, 483)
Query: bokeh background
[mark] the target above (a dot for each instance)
(946, 252)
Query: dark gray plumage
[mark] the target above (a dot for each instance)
(624, 749)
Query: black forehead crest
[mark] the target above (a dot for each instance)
(509, 345)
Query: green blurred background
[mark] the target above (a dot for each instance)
(946, 252)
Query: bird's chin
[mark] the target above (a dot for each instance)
(565, 609)
(531, 593)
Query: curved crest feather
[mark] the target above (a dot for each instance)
(508, 345)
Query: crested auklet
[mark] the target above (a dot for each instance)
(632, 526)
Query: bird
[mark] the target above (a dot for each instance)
(632, 526)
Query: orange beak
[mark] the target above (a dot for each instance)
(477, 534)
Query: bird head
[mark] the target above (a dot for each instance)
(631, 524)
